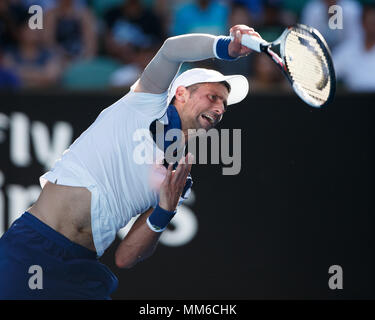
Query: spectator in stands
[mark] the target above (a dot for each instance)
(294, 8)
(354, 59)
(9, 15)
(8, 79)
(255, 7)
(200, 16)
(70, 27)
(164, 9)
(239, 14)
(316, 15)
(45, 4)
(273, 20)
(50, 4)
(133, 34)
(101, 7)
(266, 77)
(35, 65)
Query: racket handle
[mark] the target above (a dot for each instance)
(252, 42)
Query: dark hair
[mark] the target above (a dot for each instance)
(227, 85)
(195, 86)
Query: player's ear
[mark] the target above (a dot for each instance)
(181, 94)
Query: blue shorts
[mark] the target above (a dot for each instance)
(36, 262)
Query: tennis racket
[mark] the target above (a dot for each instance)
(305, 59)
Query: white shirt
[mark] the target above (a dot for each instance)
(355, 66)
(102, 159)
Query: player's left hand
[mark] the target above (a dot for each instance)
(235, 48)
(174, 183)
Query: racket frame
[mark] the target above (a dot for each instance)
(268, 48)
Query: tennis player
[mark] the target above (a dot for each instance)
(98, 185)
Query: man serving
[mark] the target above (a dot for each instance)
(98, 185)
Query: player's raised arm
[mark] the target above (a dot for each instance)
(190, 47)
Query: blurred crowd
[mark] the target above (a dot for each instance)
(100, 44)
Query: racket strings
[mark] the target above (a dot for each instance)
(309, 72)
(308, 55)
(307, 66)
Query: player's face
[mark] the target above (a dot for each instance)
(205, 106)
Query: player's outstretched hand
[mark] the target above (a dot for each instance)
(174, 183)
(235, 49)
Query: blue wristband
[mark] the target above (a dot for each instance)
(221, 48)
(159, 219)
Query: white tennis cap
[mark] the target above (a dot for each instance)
(239, 86)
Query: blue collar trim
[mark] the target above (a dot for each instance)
(173, 122)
